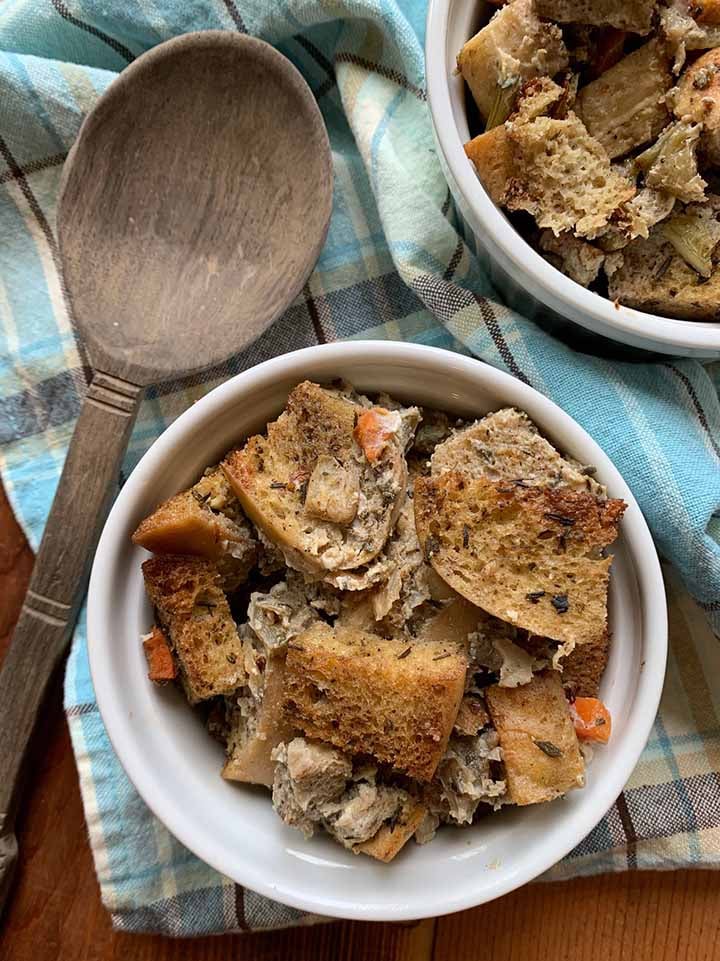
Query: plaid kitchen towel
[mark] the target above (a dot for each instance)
(394, 266)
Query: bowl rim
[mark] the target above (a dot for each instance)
(545, 282)
(169, 809)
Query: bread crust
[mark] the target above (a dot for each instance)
(531, 557)
(195, 616)
(540, 748)
(387, 697)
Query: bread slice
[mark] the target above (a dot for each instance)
(392, 699)
(563, 177)
(653, 277)
(188, 523)
(583, 668)
(506, 445)
(625, 106)
(392, 837)
(514, 46)
(531, 557)
(492, 155)
(256, 731)
(195, 616)
(635, 16)
(492, 152)
(697, 99)
(539, 746)
(271, 477)
(452, 625)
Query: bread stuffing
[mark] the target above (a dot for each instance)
(599, 134)
(394, 621)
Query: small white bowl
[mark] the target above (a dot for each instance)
(174, 763)
(525, 279)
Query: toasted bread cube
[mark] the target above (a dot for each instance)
(529, 556)
(180, 526)
(161, 664)
(539, 745)
(452, 624)
(584, 667)
(635, 16)
(563, 177)
(506, 445)
(654, 279)
(391, 838)
(186, 524)
(194, 613)
(625, 107)
(491, 153)
(697, 100)
(390, 698)
(250, 759)
(514, 46)
(320, 422)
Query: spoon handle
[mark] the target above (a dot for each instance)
(58, 583)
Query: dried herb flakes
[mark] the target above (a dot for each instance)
(560, 603)
(547, 747)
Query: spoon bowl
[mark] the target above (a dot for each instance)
(194, 206)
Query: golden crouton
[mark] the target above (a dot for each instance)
(393, 699)
(625, 106)
(531, 557)
(195, 615)
(539, 745)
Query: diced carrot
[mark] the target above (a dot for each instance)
(591, 719)
(373, 430)
(707, 11)
(161, 665)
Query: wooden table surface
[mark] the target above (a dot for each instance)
(55, 912)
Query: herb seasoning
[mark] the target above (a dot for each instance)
(560, 603)
(560, 518)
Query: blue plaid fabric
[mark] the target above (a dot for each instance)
(395, 266)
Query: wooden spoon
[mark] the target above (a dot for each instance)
(192, 209)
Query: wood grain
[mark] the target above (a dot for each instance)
(193, 205)
(57, 584)
(673, 916)
(55, 912)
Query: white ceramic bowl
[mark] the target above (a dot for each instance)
(525, 279)
(175, 765)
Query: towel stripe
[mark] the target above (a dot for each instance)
(115, 45)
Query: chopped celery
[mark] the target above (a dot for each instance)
(502, 104)
(692, 240)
